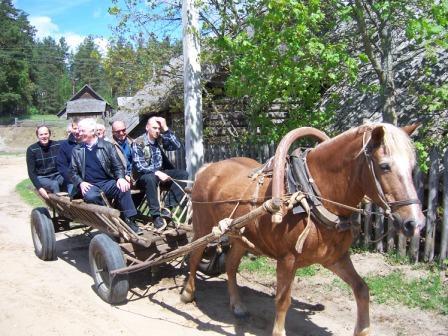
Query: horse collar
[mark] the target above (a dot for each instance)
(300, 179)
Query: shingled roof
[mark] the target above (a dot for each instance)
(86, 102)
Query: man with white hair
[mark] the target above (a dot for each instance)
(100, 131)
(96, 168)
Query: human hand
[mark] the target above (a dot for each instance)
(162, 123)
(123, 185)
(85, 186)
(162, 176)
(43, 193)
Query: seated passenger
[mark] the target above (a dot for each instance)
(96, 168)
(123, 145)
(153, 166)
(64, 158)
(41, 163)
(101, 131)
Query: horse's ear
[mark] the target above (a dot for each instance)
(409, 129)
(377, 136)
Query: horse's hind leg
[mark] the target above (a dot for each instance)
(190, 285)
(285, 276)
(345, 270)
(232, 262)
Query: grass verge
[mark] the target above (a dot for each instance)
(266, 266)
(26, 192)
(427, 293)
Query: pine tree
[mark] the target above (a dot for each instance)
(16, 51)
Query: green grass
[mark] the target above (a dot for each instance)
(427, 293)
(41, 117)
(266, 266)
(26, 192)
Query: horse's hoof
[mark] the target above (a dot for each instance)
(364, 332)
(240, 312)
(186, 297)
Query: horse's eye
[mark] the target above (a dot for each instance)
(385, 167)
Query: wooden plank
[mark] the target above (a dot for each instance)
(444, 235)
(391, 234)
(419, 183)
(378, 228)
(433, 185)
(367, 224)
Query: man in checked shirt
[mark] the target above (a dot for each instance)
(152, 167)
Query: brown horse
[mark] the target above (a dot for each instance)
(374, 160)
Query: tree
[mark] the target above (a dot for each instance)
(286, 57)
(87, 67)
(52, 80)
(129, 66)
(381, 26)
(16, 50)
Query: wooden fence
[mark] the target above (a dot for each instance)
(432, 189)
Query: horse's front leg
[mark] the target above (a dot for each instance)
(285, 276)
(345, 270)
(188, 292)
(232, 262)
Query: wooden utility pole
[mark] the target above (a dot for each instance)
(194, 148)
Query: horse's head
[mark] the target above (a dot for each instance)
(390, 159)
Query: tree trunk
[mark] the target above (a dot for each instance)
(387, 90)
(194, 148)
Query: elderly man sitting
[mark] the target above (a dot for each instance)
(41, 163)
(96, 168)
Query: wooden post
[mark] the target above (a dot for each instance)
(194, 149)
(378, 228)
(414, 246)
(367, 224)
(444, 238)
(433, 188)
(390, 245)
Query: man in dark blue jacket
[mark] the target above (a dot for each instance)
(41, 163)
(64, 158)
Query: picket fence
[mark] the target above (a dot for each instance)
(431, 244)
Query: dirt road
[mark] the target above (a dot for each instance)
(56, 298)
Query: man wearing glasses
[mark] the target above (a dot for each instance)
(123, 145)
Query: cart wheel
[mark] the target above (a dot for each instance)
(42, 232)
(104, 256)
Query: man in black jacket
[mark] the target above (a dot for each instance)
(96, 168)
(64, 158)
(41, 163)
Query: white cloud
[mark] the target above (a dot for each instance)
(46, 27)
(102, 44)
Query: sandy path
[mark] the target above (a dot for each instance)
(56, 298)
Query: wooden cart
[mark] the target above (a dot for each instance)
(116, 246)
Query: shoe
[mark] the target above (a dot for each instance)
(134, 227)
(159, 224)
(165, 213)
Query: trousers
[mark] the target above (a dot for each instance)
(110, 189)
(150, 182)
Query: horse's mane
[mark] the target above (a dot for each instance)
(396, 142)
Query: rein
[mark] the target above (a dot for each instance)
(389, 207)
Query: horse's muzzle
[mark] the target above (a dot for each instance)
(409, 227)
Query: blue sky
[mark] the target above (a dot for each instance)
(72, 19)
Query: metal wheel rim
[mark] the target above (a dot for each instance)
(102, 276)
(36, 238)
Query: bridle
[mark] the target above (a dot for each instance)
(389, 207)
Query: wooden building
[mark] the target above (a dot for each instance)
(86, 103)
